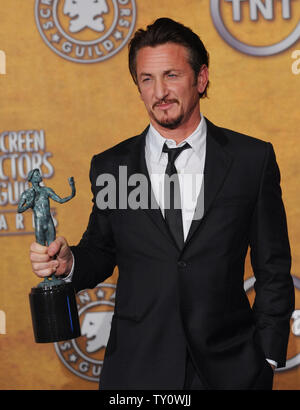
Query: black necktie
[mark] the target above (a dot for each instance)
(173, 214)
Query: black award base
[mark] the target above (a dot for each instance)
(54, 313)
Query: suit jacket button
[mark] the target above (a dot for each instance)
(182, 264)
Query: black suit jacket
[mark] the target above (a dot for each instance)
(171, 300)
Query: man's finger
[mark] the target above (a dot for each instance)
(42, 266)
(45, 272)
(37, 248)
(39, 257)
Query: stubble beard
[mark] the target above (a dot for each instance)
(169, 123)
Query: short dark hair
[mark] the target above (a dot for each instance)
(165, 30)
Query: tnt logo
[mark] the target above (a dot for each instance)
(2, 62)
(256, 7)
(257, 27)
(2, 323)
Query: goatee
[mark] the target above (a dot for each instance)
(170, 124)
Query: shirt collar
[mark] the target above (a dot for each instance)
(155, 141)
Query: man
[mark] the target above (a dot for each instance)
(182, 318)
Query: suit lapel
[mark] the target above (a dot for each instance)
(217, 164)
(137, 165)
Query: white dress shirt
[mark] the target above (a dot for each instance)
(189, 165)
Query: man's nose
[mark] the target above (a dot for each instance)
(160, 89)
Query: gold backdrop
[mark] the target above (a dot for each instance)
(57, 113)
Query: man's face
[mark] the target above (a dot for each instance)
(167, 84)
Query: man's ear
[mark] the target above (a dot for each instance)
(202, 78)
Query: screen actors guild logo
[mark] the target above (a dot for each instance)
(264, 9)
(85, 31)
(84, 356)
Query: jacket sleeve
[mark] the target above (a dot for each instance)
(95, 254)
(271, 262)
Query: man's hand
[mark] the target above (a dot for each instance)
(43, 262)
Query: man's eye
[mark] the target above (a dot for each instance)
(172, 75)
(145, 79)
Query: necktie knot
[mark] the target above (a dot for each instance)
(173, 153)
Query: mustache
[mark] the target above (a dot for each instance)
(165, 101)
